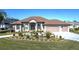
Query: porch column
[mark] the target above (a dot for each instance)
(68, 28)
(20, 28)
(14, 27)
(36, 26)
(23, 28)
(41, 26)
(44, 28)
(28, 26)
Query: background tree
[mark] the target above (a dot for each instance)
(3, 15)
(74, 21)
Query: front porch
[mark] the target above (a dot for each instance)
(29, 27)
(35, 26)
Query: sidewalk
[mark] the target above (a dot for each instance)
(5, 36)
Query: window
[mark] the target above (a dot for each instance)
(26, 27)
(38, 24)
(62, 26)
(17, 26)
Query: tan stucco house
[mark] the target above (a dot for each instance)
(40, 23)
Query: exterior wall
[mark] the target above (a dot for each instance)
(25, 27)
(52, 28)
(17, 30)
(76, 26)
(32, 21)
(73, 26)
(65, 29)
(2, 25)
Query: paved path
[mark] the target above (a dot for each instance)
(68, 35)
(5, 36)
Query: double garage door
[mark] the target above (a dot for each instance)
(57, 28)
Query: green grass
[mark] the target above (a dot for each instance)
(34, 45)
(74, 31)
(6, 33)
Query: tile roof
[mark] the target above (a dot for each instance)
(75, 23)
(17, 22)
(56, 22)
(36, 18)
(41, 19)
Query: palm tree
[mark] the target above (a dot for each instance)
(2, 15)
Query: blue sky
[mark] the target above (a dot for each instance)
(61, 14)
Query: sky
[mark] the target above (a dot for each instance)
(61, 14)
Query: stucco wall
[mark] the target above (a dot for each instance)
(26, 26)
(17, 30)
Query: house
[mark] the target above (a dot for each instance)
(40, 23)
(6, 24)
(74, 25)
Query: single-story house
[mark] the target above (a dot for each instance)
(6, 24)
(40, 23)
(74, 25)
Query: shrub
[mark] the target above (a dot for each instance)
(76, 29)
(40, 31)
(60, 37)
(28, 36)
(20, 34)
(48, 35)
(13, 34)
(71, 30)
(34, 34)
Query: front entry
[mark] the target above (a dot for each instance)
(32, 26)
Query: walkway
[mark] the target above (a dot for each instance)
(5, 36)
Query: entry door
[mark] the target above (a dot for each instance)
(32, 26)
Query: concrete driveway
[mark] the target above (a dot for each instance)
(68, 35)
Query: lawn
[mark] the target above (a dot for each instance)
(75, 30)
(6, 33)
(35, 45)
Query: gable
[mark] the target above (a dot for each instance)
(32, 21)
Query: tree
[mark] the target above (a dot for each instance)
(2, 15)
(74, 21)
